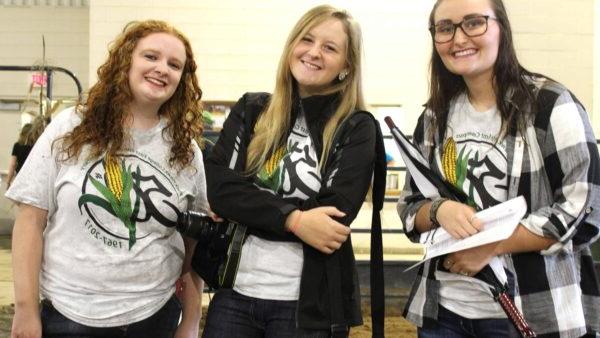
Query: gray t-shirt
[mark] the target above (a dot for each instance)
(268, 269)
(475, 162)
(111, 255)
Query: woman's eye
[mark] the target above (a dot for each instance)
(175, 66)
(306, 39)
(150, 57)
(330, 48)
(474, 23)
(444, 29)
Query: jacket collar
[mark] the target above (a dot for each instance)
(317, 108)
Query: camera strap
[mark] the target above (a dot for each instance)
(234, 253)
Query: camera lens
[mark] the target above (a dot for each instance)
(196, 225)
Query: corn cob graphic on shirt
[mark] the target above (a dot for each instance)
(116, 190)
(292, 170)
(271, 174)
(455, 167)
(474, 155)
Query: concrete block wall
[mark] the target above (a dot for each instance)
(556, 38)
(238, 43)
(64, 26)
(66, 33)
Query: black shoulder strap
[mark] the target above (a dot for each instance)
(376, 264)
(377, 281)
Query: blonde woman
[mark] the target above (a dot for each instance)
(295, 166)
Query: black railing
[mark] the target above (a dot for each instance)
(49, 70)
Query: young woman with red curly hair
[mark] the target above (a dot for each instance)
(101, 194)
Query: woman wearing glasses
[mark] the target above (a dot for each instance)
(496, 131)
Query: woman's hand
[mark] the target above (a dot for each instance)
(470, 261)
(214, 216)
(187, 329)
(317, 228)
(191, 305)
(458, 219)
(26, 323)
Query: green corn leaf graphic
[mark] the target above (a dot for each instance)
(89, 198)
(104, 191)
(461, 167)
(118, 208)
(127, 185)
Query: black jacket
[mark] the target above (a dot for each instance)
(345, 182)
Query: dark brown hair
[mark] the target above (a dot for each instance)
(514, 94)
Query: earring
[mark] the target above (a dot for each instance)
(342, 75)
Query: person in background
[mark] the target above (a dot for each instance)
(295, 167)
(19, 154)
(101, 193)
(29, 134)
(497, 131)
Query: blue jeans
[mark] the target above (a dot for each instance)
(231, 314)
(451, 325)
(162, 324)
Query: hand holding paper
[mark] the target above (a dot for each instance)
(430, 184)
(499, 222)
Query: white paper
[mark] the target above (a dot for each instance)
(499, 222)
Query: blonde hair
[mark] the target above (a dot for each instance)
(37, 128)
(272, 125)
(24, 133)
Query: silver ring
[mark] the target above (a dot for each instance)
(464, 273)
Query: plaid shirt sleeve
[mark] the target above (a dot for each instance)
(562, 149)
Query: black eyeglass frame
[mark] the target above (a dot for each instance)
(459, 25)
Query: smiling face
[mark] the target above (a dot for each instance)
(470, 57)
(319, 57)
(157, 64)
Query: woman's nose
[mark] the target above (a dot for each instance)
(161, 68)
(459, 35)
(314, 51)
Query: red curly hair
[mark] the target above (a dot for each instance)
(105, 110)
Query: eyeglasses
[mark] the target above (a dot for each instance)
(472, 26)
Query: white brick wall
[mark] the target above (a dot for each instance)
(65, 28)
(556, 38)
(66, 33)
(237, 43)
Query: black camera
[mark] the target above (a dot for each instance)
(219, 247)
(199, 226)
